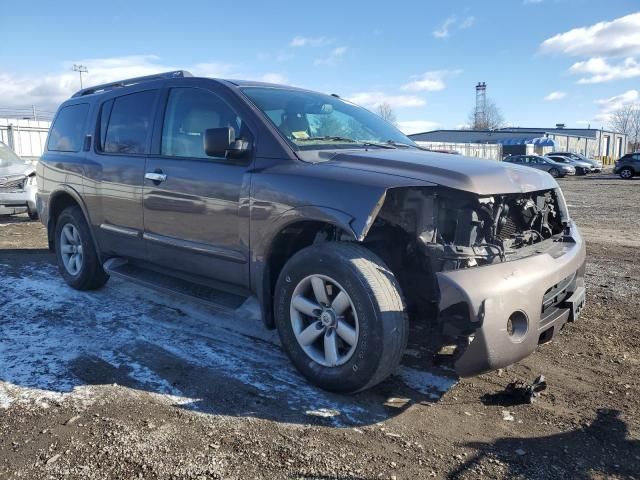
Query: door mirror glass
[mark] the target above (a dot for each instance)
(222, 142)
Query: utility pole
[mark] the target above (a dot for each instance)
(80, 69)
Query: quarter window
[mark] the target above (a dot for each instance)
(189, 112)
(129, 123)
(66, 133)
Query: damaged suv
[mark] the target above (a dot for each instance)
(340, 225)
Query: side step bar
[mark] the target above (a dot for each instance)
(220, 300)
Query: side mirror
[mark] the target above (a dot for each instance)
(222, 142)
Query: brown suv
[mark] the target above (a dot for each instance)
(340, 225)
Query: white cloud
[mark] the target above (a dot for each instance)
(468, 22)
(310, 41)
(47, 91)
(599, 70)
(611, 104)
(555, 96)
(416, 126)
(444, 30)
(375, 99)
(617, 37)
(431, 81)
(274, 78)
(331, 60)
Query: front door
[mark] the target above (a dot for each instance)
(192, 202)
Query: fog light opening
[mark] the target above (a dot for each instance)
(517, 326)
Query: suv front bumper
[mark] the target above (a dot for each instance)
(539, 293)
(17, 200)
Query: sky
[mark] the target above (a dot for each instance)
(544, 61)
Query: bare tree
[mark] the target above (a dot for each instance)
(491, 119)
(627, 120)
(386, 112)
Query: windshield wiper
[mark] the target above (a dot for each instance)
(400, 144)
(328, 137)
(334, 138)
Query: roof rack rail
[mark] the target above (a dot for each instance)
(105, 87)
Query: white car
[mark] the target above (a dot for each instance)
(17, 184)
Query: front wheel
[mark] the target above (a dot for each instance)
(78, 261)
(341, 316)
(554, 172)
(626, 173)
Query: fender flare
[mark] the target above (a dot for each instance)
(260, 273)
(73, 193)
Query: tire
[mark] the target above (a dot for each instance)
(86, 273)
(554, 172)
(376, 311)
(626, 173)
(33, 214)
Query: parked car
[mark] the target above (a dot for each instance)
(338, 223)
(17, 184)
(582, 167)
(628, 166)
(555, 169)
(595, 163)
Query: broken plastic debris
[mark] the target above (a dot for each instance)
(323, 412)
(527, 393)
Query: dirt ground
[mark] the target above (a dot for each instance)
(127, 383)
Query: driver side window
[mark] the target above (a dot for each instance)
(189, 113)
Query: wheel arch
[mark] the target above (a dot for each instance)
(65, 197)
(294, 230)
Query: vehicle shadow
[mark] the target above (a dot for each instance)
(19, 218)
(56, 341)
(601, 448)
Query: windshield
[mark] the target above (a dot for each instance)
(7, 157)
(315, 121)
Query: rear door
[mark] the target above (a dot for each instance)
(193, 202)
(115, 171)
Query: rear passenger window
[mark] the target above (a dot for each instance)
(128, 124)
(66, 133)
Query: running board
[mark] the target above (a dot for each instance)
(212, 297)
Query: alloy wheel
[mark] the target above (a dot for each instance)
(324, 320)
(71, 249)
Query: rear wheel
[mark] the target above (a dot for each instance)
(78, 261)
(554, 172)
(626, 173)
(341, 316)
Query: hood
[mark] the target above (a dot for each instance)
(15, 170)
(476, 175)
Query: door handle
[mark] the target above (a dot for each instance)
(156, 177)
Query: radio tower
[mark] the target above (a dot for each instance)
(481, 105)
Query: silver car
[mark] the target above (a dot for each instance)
(582, 167)
(594, 162)
(17, 184)
(554, 169)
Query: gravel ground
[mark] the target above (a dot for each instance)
(125, 383)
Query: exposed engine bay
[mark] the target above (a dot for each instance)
(421, 231)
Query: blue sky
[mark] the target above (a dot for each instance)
(423, 57)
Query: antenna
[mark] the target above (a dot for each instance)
(480, 117)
